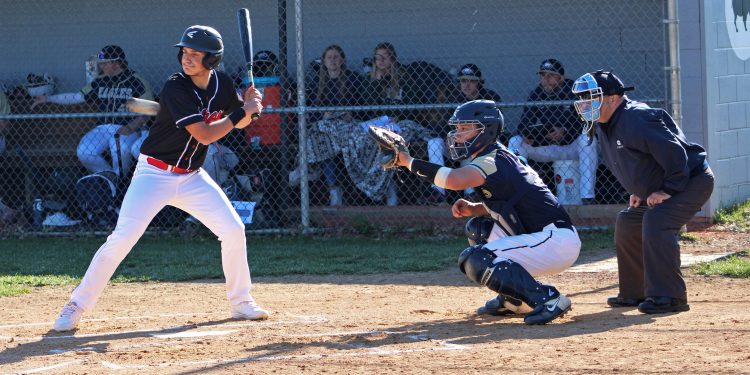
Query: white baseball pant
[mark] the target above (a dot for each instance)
(549, 252)
(92, 146)
(150, 190)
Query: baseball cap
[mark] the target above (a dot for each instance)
(470, 71)
(552, 66)
(265, 56)
(111, 53)
(610, 83)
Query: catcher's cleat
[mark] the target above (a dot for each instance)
(68, 318)
(502, 306)
(249, 310)
(548, 311)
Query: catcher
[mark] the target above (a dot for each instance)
(517, 232)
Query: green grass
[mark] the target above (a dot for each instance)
(734, 266)
(35, 262)
(734, 217)
(689, 237)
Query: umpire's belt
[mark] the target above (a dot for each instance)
(167, 167)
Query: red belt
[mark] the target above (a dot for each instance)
(167, 167)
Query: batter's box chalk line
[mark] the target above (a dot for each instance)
(362, 351)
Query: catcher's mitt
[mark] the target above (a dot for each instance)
(389, 143)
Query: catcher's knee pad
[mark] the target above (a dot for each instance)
(474, 261)
(478, 229)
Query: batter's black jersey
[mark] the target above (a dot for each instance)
(505, 177)
(111, 93)
(183, 104)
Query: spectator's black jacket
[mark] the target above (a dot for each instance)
(332, 95)
(538, 121)
(647, 152)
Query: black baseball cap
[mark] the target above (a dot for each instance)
(265, 57)
(552, 66)
(111, 53)
(470, 71)
(610, 83)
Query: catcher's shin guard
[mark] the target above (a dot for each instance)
(478, 229)
(504, 277)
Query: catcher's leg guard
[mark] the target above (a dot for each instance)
(478, 229)
(504, 277)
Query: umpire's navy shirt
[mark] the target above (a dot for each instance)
(647, 152)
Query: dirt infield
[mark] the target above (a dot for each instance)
(412, 323)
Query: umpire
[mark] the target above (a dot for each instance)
(668, 178)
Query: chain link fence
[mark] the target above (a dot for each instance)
(327, 69)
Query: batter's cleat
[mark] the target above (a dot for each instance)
(69, 317)
(548, 311)
(249, 311)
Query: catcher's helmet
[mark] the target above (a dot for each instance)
(488, 120)
(205, 39)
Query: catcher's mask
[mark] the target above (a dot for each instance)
(590, 89)
(205, 39)
(488, 121)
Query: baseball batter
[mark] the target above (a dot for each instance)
(108, 92)
(199, 105)
(517, 231)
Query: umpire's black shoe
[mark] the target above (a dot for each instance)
(624, 302)
(548, 311)
(661, 305)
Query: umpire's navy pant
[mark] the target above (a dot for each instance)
(648, 254)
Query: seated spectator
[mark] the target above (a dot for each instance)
(388, 84)
(333, 85)
(554, 132)
(108, 92)
(471, 86)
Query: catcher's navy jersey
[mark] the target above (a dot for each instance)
(505, 176)
(183, 104)
(111, 93)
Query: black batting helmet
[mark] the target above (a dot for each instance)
(488, 120)
(205, 39)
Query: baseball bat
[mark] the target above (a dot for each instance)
(246, 37)
(142, 106)
(118, 147)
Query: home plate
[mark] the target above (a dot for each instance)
(192, 334)
(610, 264)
